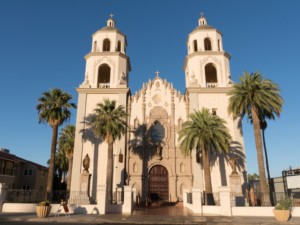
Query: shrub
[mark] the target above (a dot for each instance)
(285, 203)
(44, 203)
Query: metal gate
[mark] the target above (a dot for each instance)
(158, 184)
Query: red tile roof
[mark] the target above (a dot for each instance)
(15, 158)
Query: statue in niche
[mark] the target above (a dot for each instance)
(233, 164)
(193, 80)
(86, 163)
(158, 150)
(123, 78)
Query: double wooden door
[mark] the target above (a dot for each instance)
(158, 184)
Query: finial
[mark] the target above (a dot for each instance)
(201, 14)
(157, 73)
(111, 15)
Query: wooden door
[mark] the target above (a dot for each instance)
(158, 184)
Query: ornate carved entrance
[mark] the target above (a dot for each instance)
(158, 184)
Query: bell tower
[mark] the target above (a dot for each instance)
(107, 65)
(207, 64)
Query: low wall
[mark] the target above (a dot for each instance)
(74, 209)
(259, 211)
(211, 209)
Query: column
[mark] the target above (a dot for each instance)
(197, 203)
(184, 193)
(3, 191)
(127, 206)
(224, 193)
(101, 198)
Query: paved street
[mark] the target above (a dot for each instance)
(150, 215)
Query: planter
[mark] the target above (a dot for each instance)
(43, 211)
(282, 215)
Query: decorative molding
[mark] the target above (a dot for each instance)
(157, 98)
(102, 90)
(208, 90)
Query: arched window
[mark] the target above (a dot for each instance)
(95, 46)
(104, 74)
(119, 46)
(181, 168)
(195, 45)
(158, 132)
(135, 167)
(207, 44)
(211, 73)
(106, 45)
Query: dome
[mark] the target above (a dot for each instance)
(203, 27)
(108, 28)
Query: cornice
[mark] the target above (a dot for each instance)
(204, 53)
(109, 54)
(215, 90)
(103, 90)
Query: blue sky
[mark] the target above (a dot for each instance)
(42, 44)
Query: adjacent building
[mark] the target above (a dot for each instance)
(20, 173)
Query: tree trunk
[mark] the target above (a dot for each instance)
(260, 158)
(267, 164)
(60, 177)
(52, 160)
(207, 177)
(64, 176)
(70, 172)
(109, 174)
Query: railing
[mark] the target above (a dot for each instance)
(36, 196)
(7, 172)
(211, 85)
(212, 199)
(104, 85)
(120, 196)
(253, 199)
(189, 198)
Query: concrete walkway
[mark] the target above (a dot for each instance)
(143, 219)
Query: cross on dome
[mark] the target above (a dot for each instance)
(111, 15)
(157, 73)
(201, 14)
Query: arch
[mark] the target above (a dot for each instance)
(211, 73)
(195, 45)
(119, 46)
(106, 45)
(207, 44)
(170, 172)
(95, 46)
(104, 74)
(158, 132)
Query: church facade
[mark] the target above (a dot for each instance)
(157, 112)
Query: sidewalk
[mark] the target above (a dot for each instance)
(145, 219)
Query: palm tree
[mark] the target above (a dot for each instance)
(66, 143)
(206, 132)
(54, 108)
(263, 115)
(109, 122)
(61, 164)
(253, 95)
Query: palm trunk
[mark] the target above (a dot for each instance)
(60, 177)
(267, 164)
(109, 174)
(64, 176)
(207, 177)
(52, 160)
(260, 158)
(70, 172)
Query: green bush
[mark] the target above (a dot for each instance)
(44, 203)
(285, 203)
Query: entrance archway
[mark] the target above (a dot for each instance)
(158, 183)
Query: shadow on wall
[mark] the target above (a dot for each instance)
(88, 135)
(80, 210)
(141, 144)
(236, 151)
